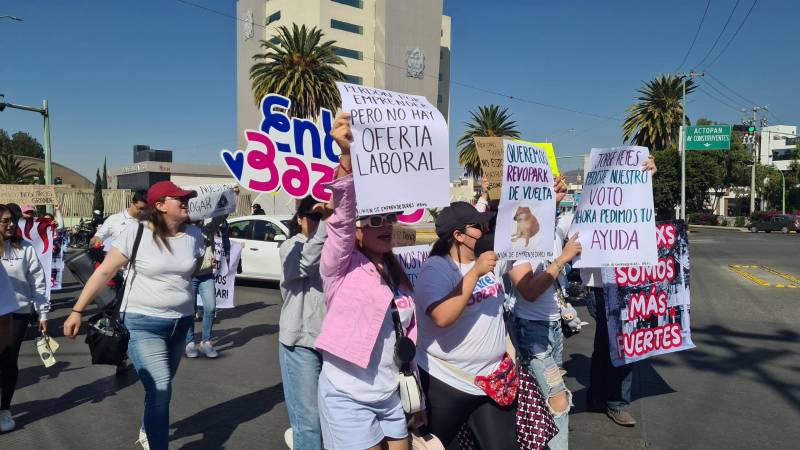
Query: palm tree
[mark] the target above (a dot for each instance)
(489, 121)
(12, 171)
(654, 121)
(298, 66)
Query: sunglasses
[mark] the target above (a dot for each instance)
(376, 221)
(480, 226)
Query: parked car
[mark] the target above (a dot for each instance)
(260, 237)
(778, 222)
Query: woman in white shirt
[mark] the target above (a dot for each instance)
(158, 302)
(28, 282)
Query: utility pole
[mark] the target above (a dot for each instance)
(752, 148)
(682, 140)
(45, 112)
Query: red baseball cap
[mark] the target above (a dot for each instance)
(166, 189)
(28, 208)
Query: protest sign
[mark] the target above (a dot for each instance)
(490, 153)
(614, 217)
(292, 154)
(403, 236)
(40, 235)
(412, 258)
(27, 194)
(551, 156)
(224, 274)
(527, 214)
(400, 150)
(212, 200)
(648, 308)
(60, 245)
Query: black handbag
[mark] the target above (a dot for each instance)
(106, 335)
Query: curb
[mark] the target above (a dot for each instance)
(713, 227)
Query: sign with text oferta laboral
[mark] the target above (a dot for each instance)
(614, 219)
(400, 150)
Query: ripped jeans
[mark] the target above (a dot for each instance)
(540, 346)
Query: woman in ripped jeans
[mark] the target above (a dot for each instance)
(537, 327)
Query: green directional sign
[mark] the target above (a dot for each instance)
(709, 137)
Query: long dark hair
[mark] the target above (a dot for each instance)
(160, 230)
(303, 208)
(443, 244)
(16, 240)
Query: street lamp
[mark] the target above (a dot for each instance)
(45, 112)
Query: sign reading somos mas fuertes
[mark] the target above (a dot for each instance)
(400, 150)
(291, 154)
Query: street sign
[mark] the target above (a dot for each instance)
(710, 137)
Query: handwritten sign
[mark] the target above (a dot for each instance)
(292, 154)
(400, 150)
(27, 194)
(648, 308)
(527, 214)
(403, 236)
(212, 200)
(614, 217)
(490, 153)
(224, 274)
(412, 258)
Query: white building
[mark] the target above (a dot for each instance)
(778, 143)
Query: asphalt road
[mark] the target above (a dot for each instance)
(739, 389)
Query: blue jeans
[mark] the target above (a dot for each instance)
(540, 348)
(300, 368)
(609, 384)
(156, 348)
(204, 285)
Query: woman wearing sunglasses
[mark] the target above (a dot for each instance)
(462, 332)
(366, 292)
(158, 302)
(302, 313)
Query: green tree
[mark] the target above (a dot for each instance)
(5, 142)
(488, 121)
(24, 144)
(667, 183)
(12, 171)
(105, 175)
(301, 67)
(653, 121)
(97, 202)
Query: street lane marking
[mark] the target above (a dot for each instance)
(739, 269)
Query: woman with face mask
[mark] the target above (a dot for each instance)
(367, 293)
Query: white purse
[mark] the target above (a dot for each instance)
(411, 396)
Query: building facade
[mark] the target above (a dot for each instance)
(151, 166)
(778, 143)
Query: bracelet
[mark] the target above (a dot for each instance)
(76, 311)
(341, 166)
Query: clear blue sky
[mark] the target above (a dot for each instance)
(162, 73)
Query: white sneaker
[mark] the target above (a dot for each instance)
(288, 436)
(191, 350)
(6, 422)
(143, 440)
(208, 350)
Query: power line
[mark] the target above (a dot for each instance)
(450, 81)
(716, 41)
(733, 100)
(750, 102)
(697, 33)
(717, 99)
(734, 34)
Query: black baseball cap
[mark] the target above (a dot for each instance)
(459, 214)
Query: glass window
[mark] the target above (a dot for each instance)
(266, 231)
(347, 53)
(242, 229)
(273, 17)
(354, 3)
(439, 99)
(346, 26)
(353, 79)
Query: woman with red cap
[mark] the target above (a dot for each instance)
(158, 302)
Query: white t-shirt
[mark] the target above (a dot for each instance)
(160, 283)
(112, 227)
(545, 307)
(380, 379)
(475, 343)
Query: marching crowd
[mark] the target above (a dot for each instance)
(471, 353)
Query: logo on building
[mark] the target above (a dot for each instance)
(415, 63)
(247, 30)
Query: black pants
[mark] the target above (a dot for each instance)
(609, 385)
(9, 371)
(492, 426)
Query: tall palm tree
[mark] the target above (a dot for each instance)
(298, 66)
(489, 121)
(654, 121)
(12, 171)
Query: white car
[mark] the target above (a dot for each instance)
(260, 237)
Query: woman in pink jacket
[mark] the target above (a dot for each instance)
(366, 291)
